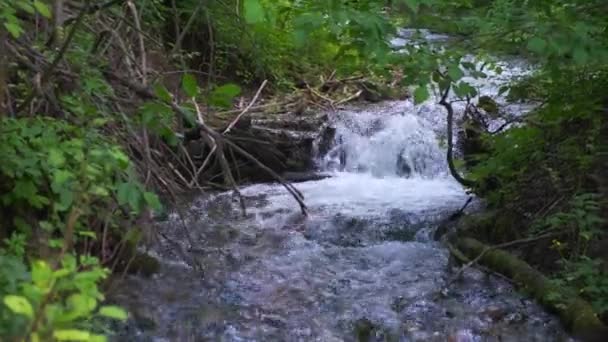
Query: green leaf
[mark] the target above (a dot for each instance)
(580, 55)
(503, 90)
(224, 95)
(162, 93)
(88, 234)
(455, 73)
(19, 305)
(537, 45)
(56, 157)
(71, 335)
(42, 274)
(97, 338)
(413, 5)
(189, 85)
(26, 7)
(464, 89)
(254, 12)
(130, 194)
(42, 8)
(421, 94)
(152, 200)
(14, 29)
(113, 312)
(81, 305)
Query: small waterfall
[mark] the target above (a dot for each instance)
(363, 256)
(384, 142)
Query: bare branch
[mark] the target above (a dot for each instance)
(244, 111)
(44, 78)
(450, 153)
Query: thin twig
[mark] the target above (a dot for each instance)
(58, 57)
(178, 42)
(244, 111)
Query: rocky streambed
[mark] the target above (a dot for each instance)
(362, 266)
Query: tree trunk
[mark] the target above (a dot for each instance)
(4, 105)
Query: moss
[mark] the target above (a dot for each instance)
(493, 225)
(576, 314)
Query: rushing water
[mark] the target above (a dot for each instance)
(361, 263)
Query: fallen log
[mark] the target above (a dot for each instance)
(577, 314)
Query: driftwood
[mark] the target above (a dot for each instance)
(576, 314)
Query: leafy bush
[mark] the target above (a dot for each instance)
(54, 303)
(66, 192)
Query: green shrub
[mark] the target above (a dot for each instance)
(66, 191)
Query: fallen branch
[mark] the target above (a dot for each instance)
(297, 195)
(209, 132)
(244, 111)
(487, 249)
(576, 314)
(206, 130)
(350, 98)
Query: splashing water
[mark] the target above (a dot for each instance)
(362, 263)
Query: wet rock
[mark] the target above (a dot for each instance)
(144, 264)
(488, 105)
(403, 167)
(400, 235)
(514, 318)
(142, 322)
(399, 304)
(298, 177)
(494, 313)
(325, 140)
(364, 330)
(282, 142)
(462, 336)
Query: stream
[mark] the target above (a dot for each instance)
(361, 267)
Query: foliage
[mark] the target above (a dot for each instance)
(581, 226)
(78, 135)
(9, 14)
(59, 185)
(55, 303)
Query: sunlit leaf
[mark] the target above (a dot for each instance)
(421, 94)
(42, 8)
(254, 12)
(455, 73)
(19, 305)
(163, 93)
(113, 312)
(189, 85)
(71, 335)
(224, 95)
(152, 200)
(14, 29)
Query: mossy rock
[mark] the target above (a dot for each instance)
(137, 262)
(144, 264)
(576, 314)
(493, 225)
(489, 106)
